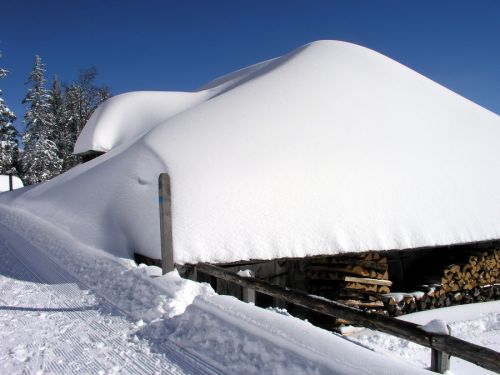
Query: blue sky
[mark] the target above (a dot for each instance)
(180, 45)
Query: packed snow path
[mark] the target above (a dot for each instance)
(67, 308)
(51, 323)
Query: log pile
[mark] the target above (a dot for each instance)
(356, 279)
(477, 279)
(404, 303)
(362, 281)
(481, 269)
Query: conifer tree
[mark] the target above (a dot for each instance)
(40, 159)
(8, 136)
(81, 99)
(58, 116)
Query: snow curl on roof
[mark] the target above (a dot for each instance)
(331, 148)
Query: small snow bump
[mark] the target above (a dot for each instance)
(140, 323)
(245, 273)
(437, 327)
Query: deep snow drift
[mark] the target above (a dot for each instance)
(331, 148)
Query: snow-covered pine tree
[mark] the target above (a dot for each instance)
(40, 159)
(8, 136)
(81, 99)
(73, 121)
(58, 116)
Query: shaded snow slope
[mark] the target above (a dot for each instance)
(331, 148)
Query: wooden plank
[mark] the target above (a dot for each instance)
(167, 245)
(363, 304)
(476, 354)
(365, 280)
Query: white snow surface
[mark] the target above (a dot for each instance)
(4, 183)
(124, 118)
(436, 326)
(66, 308)
(245, 273)
(331, 148)
(478, 323)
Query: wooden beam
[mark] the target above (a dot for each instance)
(365, 280)
(476, 354)
(167, 245)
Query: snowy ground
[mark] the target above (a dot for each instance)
(477, 323)
(51, 323)
(66, 308)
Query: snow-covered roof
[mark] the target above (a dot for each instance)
(5, 183)
(126, 117)
(331, 148)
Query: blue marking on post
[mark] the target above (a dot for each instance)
(161, 199)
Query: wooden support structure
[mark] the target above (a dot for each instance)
(167, 245)
(453, 346)
(440, 361)
(11, 182)
(248, 295)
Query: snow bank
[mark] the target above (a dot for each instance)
(331, 148)
(4, 183)
(167, 317)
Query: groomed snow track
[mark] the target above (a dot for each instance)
(104, 349)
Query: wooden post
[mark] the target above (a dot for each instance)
(167, 245)
(248, 295)
(194, 275)
(11, 182)
(440, 361)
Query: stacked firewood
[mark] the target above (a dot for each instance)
(362, 281)
(475, 280)
(481, 269)
(404, 303)
(356, 279)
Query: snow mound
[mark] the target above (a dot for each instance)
(331, 148)
(436, 326)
